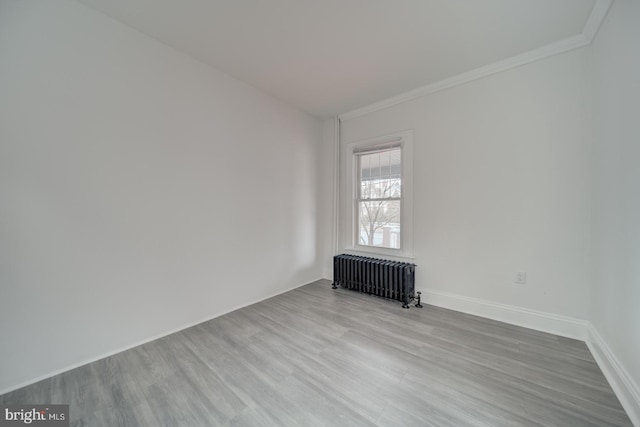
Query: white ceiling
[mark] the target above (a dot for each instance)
(331, 56)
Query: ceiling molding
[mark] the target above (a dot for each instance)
(497, 67)
(598, 13)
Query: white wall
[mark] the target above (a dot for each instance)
(140, 190)
(502, 184)
(615, 308)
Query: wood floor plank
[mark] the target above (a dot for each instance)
(320, 357)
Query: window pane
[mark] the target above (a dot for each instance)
(379, 223)
(380, 174)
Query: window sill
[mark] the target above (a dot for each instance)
(392, 254)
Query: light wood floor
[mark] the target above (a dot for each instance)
(321, 357)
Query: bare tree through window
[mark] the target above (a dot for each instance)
(379, 198)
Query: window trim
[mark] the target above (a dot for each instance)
(350, 237)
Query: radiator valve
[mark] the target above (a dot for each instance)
(418, 302)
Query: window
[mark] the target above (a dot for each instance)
(380, 209)
(379, 199)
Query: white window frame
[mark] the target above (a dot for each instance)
(349, 152)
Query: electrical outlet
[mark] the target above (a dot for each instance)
(521, 277)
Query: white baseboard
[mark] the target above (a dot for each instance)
(621, 382)
(539, 320)
(136, 344)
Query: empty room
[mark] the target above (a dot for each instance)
(319, 213)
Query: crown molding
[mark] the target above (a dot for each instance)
(497, 67)
(598, 13)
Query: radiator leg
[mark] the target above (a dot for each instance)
(333, 286)
(418, 303)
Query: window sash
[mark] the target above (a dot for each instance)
(382, 199)
(397, 176)
(381, 231)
